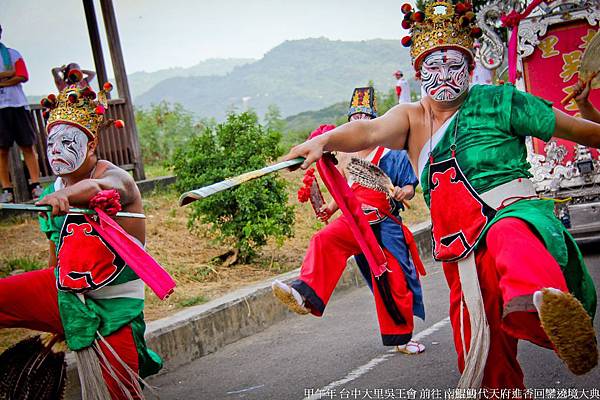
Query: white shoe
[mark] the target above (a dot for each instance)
(411, 348)
(290, 297)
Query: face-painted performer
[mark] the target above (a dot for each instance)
(67, 149)
(445, 75)
(89, 296)
(397, 295)
(509, 263)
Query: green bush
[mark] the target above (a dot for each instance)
(244, 217)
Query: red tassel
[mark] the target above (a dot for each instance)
(406, 8)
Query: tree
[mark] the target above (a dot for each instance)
(273, 120)
(244, 217)
(163, 128)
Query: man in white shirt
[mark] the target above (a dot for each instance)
(402, 88)
(15, 122)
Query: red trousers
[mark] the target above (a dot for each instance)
(30, 301)
(512, 265)
(323, 266)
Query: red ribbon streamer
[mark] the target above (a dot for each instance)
(150, 271)
(512, 20)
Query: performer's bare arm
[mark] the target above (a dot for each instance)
(586, 108)
(390, 130)
(80, 193)
(90, 75)
(577, 129)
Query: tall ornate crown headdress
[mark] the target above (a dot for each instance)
(80, 107)
(442, 25)
(363, 101)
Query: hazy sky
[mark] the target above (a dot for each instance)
(157, 34)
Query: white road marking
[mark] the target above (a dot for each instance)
(363, 369)
(246, 390)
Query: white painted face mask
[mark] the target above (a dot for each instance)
(67, 149)
(445, 75)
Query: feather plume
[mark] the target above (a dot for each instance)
(369, 175)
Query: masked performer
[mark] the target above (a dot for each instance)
(88, 295)
(399, 292)
(513, 270)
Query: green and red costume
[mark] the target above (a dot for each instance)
(113, 298)
(475, 178)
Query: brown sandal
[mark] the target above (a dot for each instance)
(570, 329)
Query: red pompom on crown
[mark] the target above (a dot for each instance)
(476, 32)
(73, 97)
(107, 86)
(405, 8)
(119, 124)
(100, 110)
(75, 76)
(88, 93)
(406, 41)
(46, 103)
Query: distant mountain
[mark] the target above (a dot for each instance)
(140, 82)
(297, 76)
(309, 120)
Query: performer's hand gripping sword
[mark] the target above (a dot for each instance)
(203, 192)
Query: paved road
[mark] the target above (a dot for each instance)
(342, 352)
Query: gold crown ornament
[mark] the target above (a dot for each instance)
(80, 107)
(442, 25)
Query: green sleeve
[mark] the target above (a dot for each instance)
(531, 115)
(51, 226)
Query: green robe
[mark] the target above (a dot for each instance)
(81, 321)
(493, 123)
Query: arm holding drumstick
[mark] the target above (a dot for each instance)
(587, 109)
